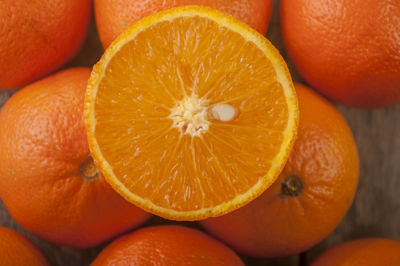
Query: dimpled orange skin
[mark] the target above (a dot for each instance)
(15, 249)
(366, 252)
(43, 147)
(114, 16)
(347, 49)
(167, 245)
(38, 36)
(325, 160)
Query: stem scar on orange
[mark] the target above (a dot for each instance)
(190, 113)
(48, 182)
(311, 195)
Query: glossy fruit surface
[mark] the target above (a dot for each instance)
(16, 249)
(38, 36)
(366, 252)
(167, 245)
(310, 197)
(48, 182)
(190, 113)
(347, 49)
(115, 16)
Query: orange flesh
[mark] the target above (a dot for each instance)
(166, 63)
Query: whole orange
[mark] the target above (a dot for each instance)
(167, 245)
(347, 49)
(114, 16)
(48, 181)
(38, 36)
(311, 195)
(365, 252)
(15, 249)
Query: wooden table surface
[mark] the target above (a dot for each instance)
(376, 209)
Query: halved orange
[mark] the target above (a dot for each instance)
(190, 113)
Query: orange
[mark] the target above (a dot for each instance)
(15, 249)
(48, 181)
(347, 49)
(114, 16)
(167, 245)
(365, 252)
(38, 36)
(190, 113)
(310, 197)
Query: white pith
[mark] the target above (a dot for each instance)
(192, 114)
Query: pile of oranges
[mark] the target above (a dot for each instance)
(191, 115)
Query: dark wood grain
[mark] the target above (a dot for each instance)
(375, 212)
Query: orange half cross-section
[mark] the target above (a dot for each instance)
(190, 113)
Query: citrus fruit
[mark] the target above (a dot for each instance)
(310, 197)
(114, 16)
(167, 245)
(15, 249)
(366, 252)
(347, 49)
(190, 113)
(48, 182)
(38, 36)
